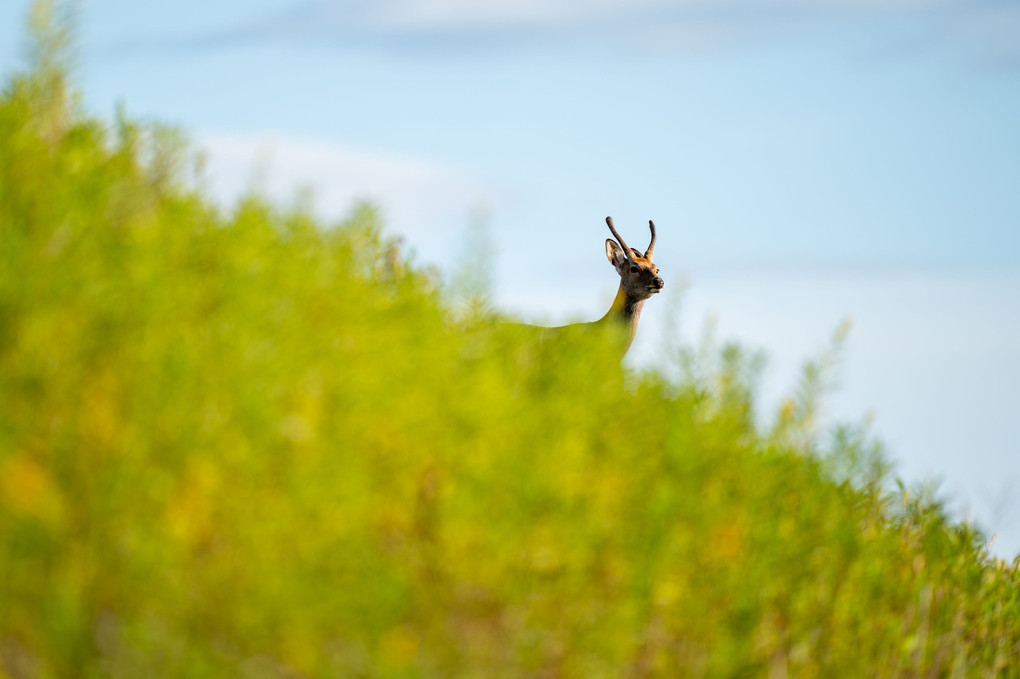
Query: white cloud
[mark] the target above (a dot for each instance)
(424, 15)
(986, 27)
(467, 14)
(453, 14)
(418, 197)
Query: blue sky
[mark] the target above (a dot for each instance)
(805, 162)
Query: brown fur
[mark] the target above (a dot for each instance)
(639, 280)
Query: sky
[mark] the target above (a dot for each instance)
(804, 162)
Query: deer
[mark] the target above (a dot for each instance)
(639, 280)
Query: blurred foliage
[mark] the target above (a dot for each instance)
(255, 445)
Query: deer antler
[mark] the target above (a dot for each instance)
(651, 246)
(626, 250)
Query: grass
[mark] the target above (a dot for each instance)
(247, 443)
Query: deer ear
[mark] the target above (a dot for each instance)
(614, 253)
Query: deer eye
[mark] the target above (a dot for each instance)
(633, 269)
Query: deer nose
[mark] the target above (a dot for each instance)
(659, 283)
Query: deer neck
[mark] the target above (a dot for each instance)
(626, 311)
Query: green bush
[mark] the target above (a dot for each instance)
(251, 444)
